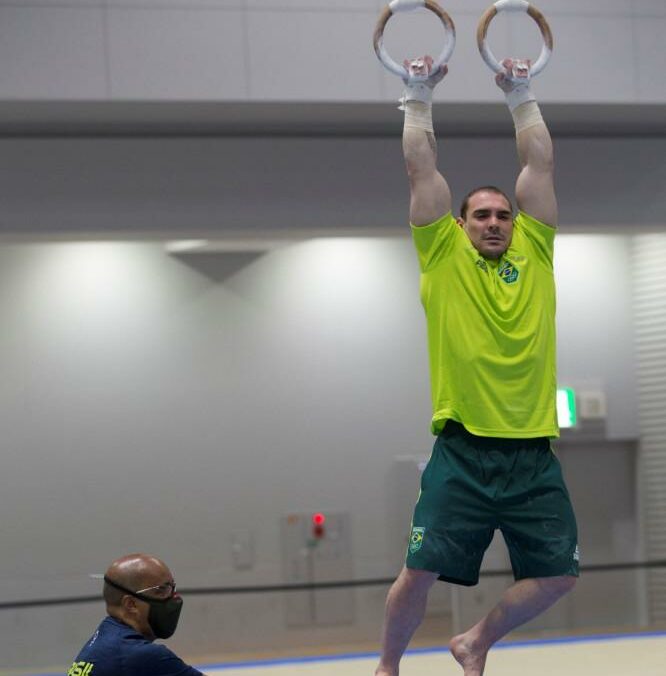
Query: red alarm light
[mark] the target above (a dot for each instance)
(318, 521)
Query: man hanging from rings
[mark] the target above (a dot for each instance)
(488, 291)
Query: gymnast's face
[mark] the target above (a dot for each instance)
(488, 223)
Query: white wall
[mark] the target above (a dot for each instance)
(157, 403)
(595, 328)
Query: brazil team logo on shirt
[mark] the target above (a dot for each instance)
(508, 272)
(416, 539)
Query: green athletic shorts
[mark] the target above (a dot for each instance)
(474, 485)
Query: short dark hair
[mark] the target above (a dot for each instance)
(483, 188)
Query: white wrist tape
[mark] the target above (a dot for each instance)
(418, 115)
(416, 91)
(519, 95)
(526, 115)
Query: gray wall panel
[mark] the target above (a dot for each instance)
(226, 187)
(302, 51)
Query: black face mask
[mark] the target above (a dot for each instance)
(163, 614)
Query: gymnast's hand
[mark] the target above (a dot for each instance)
(516, 73)
(419, 70)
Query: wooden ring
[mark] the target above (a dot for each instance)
(514, 5)
(409, 5)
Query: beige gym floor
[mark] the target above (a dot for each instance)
(624, 655)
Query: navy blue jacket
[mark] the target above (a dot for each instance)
(117, 650)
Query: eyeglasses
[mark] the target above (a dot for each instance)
(167, 589)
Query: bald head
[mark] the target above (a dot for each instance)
(134, 572)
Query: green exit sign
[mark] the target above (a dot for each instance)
(566, 407)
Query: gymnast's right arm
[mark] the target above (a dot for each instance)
(430, 197)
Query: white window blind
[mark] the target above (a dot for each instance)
(649, 287)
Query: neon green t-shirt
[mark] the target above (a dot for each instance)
(491, 329)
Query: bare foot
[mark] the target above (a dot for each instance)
(472, 662)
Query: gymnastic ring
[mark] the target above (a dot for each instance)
(514, 6)
(407, 6)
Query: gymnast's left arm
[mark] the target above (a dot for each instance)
(535, 186)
